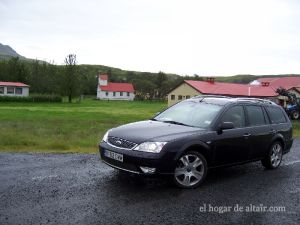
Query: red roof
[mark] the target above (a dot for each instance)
(118, 87)
(13, 84)
(285, 82)
(103, 77)
(233, 89)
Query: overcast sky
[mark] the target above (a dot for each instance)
(212, 37)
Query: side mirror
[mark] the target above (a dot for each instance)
(225, 126)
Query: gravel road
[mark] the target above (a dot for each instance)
(79, 189)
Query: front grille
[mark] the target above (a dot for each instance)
(121, 143)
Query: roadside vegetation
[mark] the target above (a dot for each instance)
(32, 98)
(65, 127)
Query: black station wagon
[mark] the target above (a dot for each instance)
(203, 132)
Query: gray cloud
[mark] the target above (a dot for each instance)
(205, 37)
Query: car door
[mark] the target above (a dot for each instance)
(232, 146)
(280, 124)
(259, 129)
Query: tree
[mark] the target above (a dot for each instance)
(145, 89)
(17, 70)
(3, 70)
(43, 77)
(161, 84)
(71, 79)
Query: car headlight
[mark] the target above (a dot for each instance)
(105, 136)
(154, 147)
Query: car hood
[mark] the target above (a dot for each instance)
(149, 130)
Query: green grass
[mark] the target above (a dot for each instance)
(64, 127)
(296, 128)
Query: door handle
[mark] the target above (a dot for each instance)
(272, 131)
(247, 135)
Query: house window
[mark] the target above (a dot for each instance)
(172, 97)
(1, 90)
(128, 94)
(114, 94)
(106, 93)
(10, 90)
(179, 97)
(187, 97)
(121, 93)
(19, 91)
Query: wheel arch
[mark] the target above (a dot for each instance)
(200, 147)
(280, 139)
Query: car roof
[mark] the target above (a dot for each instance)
(224, 100)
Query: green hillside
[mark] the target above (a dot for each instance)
(46, 78)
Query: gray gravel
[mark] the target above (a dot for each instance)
(79, 189)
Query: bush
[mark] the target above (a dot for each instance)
(34, 98)
(46, 98)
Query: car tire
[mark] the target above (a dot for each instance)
(274, 157)
(191, 170)
(295, 115)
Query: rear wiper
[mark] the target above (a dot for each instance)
(177, 123)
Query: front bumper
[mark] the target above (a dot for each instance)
(163, 162)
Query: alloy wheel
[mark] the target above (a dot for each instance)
(190, 170)
(276, 155)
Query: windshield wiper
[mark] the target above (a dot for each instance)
(177, 123)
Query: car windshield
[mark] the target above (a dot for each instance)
(190, 113)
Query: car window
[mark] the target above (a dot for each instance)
(267, 119)
(190, 113)
(255, 115)
(276, 115)
(235, 115)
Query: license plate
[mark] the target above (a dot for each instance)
(113, 155)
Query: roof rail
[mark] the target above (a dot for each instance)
(211, 96)
(257, 100)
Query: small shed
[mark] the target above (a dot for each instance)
(14, 89)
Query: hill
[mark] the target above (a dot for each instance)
(7, 52)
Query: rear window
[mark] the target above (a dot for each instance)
(276, 115)
(255, 115)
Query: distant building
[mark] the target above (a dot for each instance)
(260, 88)
(14, 89)
(292, 84)
(114, 91)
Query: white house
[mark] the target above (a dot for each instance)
(114, 91)
(14, 89)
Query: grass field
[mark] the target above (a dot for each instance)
(64, 127)
(296, 126)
